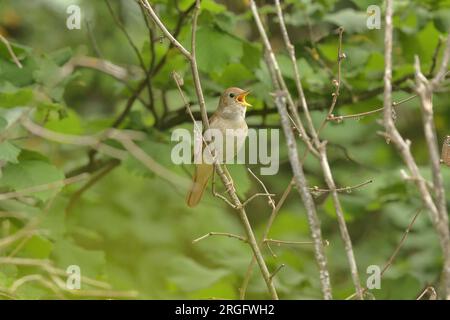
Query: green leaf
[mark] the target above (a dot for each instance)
(234, 75)
(442, 20)
(8, 152)
(3, 123)
(11, 97)
(70, 124)
(352, 21)
(19, 50)
(251, 55)
(91, 262)
(215, 50)
(160, 152)
(37, 247)
(188, 275)
(19, 77)
(31, 173)
(61, 56)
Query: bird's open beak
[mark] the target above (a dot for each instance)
(241, 99)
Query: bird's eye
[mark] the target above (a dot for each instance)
(231, 95)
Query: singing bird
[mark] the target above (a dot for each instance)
(230, 114)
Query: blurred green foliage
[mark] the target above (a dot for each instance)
(132, 229)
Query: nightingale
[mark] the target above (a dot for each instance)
(229, 120)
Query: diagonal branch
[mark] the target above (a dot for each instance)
(321, 146)
(190, 56)
(282, 98)
(11, 51)
(403, 146)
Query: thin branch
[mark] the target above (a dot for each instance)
(231, 192)
(400, 245)
(442, 72)
(431, 290)
(302, 188)
(43, 187)
(321, 146)
(248, 274)
(125, 137)
(297, 77)
(396, 250)
(48, 267)
(299, 177)
(269, 196)
(341, 219)
(424, 89)
(332, 117)
(11, 51)
(126, 34)
(26, 231)
(281, 266)
(336, 82)
(105, 66)
(403, 147)
(280, 242)
(93, 40)
(435, 56)
(163, 28)
(88, 141)
(148, 161)
(278, 80)
(348, 189)
(93, 180)
(225, 234)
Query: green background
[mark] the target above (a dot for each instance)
(132, 229)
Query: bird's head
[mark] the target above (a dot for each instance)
(234, 96)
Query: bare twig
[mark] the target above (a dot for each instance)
(11, 51)
(321, 146)
(348, 189)
(431, 290)
(94, 179)
(403, 147)
(269, 196)
(279, 82)
(400, 245)
(44, 187)
(435, 56)
(425, 89)
(225, 234)
(396, 250)
(280, 242)
(336, 82)
(125, 137)
(101, 65)
(89, 141)
(248, 274)
(278, 269)
(281, 99)
(360, 115)
(231, 192)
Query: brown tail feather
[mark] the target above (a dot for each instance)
(200, 180)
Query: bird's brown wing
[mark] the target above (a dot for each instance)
(201, 175)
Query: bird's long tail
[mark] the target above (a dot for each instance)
(201, 176)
